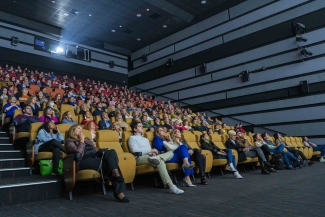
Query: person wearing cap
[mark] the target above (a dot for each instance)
(10, 107)
(246, 151)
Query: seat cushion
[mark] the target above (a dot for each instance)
(219, 162)
(22, 135)
(86, 175)
(47, 155)
(143, 169)
(316, 152)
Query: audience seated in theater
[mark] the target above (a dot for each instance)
(46, 95)
(105, 123)
(78, 143)
(10, 107)
(125, 115)
(22, 96)
(116, 127)
(36, 107)
(186, 124)
(112, 112)
(287, 156)
(41, 98)
(50, 139)
(245, 151)
(4, 94)
(120, 121)
(55, 110)
(156, 123)
(197, 126)
(22, 121)
(93, 128)
(207, 144)
(315, 147)
(98, 110)
(67, 118)
(49, 115)
(164, 142)
(279, 140)
(167, 124)
(140, 147)
(178, 126)
(83, 109)
(145, 122)
(223, 126)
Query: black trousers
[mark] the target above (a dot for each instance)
(200, 160)
(55, 147)
(297, 153)
(266, 151)
(110, 163)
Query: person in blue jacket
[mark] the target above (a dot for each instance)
(180, 153)
(49, 139)
(10, 107)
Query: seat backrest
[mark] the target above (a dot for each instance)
(108, 139)
(33, 130)
(149, 135)
(216, 139)
(64, 127)
(299, 142)
(66, 107)
(293, 141)
(287, 140)
(40, 113)
(87, 133)
(191, 140)
(224, 138)
(17, 112)
(125, 138)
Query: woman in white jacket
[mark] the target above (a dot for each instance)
(49, 139)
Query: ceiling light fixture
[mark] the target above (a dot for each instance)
(90, 15)
(148, 9)
(113, 30)
(138, 39)
(120, 26)
(164, 26)
(138, 15)
(203, 2)
(53, 1)
(66, 14)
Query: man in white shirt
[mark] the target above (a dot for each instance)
(141, 148)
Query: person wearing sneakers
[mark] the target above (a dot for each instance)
(217, 153)
(315, 147)
(140, 148)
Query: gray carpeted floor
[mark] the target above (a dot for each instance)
(288, 193)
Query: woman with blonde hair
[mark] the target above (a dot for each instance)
(164, 142)
(78, 143)
(32, 101)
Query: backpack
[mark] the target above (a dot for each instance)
(278, 161)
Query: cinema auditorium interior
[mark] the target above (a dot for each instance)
(162, 108)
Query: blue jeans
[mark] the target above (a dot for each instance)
(286, 156)
(230, 157)
(179, 154)
(320, 148)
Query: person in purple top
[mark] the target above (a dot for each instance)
(22, 121)
(49, 115)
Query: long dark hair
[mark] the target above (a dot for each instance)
(45, 127)
(201, 138)
(276, 135)
(47, 118)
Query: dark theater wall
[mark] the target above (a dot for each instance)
(256, 36)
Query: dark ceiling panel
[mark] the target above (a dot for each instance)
(110, 14)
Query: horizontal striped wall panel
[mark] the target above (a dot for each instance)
(301, 129)
(164, 52)
(268, 75)
(107, 59)
(249, 56)
(237, 23)
(23, 37)
(203, 25)
(290, 115)
(278, 104)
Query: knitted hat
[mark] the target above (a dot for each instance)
(231, 132)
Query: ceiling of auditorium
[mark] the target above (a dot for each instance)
(97, 19)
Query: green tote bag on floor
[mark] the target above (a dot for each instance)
(46, 167)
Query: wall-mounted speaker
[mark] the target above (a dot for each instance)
(304, 86)
(245, 75)
(203, 68)
(144, 57)
(111, 64)
(14, 41)
(69, 54)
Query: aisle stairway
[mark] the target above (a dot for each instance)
(17, 184)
